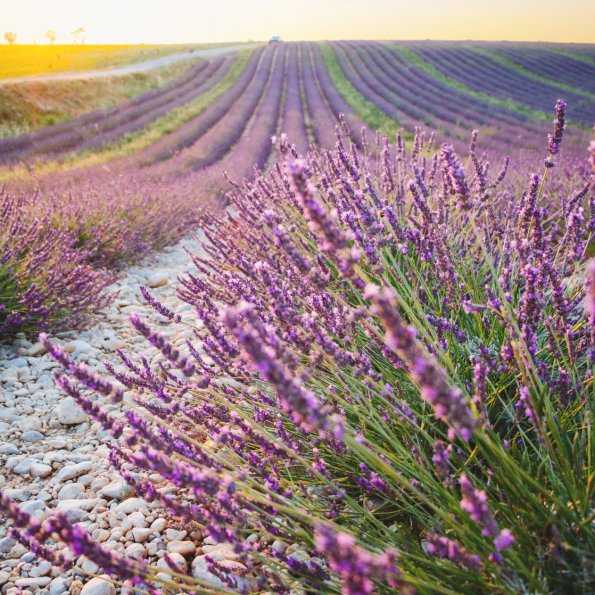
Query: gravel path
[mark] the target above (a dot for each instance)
(129, 68)
(53, 457)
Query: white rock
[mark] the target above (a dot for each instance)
(175, 534)
(9, 449)
(22, 467)
(80, 346)
(17, 362)
(178, 561)
(89, 567)
(181, 547)
(99, 586)
(118, 489)
(221, 550)
(200, 570)
(28, 424)
(134, 519)
(42, 581)
(59, 586)
(72, 471)
(158, 525)
(40, 470)
(158, 280)
(136, 550)
(69, 413)
(141, 534)
(70, 491)
(131, 505)
(41, 569)
(32, 436)
(36, 350)
(81, 504)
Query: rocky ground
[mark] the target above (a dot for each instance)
(53, 457)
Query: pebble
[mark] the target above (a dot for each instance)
(118, 490)
(178, 561)
(131, 505)
(141, 534)
(99, 586)
(72, 471)
(200, 570)
(59, 586)
(42, 581)
(181, 547)
(69, 413)
(157, 280)
(31, 436)
(70, 491)
(40, 470)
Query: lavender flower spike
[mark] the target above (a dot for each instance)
(448, 402)
(555, 138)
(442, 547)
(357, 568)
(475, 503)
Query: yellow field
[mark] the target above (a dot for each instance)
(29, 60)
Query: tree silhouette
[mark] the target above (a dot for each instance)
(79, 35)
(10, 36)
(51, 35)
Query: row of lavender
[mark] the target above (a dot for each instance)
(390, 388)
(99, 127)
(483, 72)
(109, 214)
(411, 96)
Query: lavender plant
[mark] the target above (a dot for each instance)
(45, 280)
(391, 381)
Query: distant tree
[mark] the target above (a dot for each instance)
(10, 36)
(51, 35)
(78, 35)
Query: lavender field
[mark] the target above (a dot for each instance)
(308, 317)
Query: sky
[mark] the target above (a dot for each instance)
(185, 21)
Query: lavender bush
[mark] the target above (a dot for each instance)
(390, 387)
(45, 278)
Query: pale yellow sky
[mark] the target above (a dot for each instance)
(182, 21)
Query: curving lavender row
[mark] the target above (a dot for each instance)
(551, 64)
(322, 119)
(372, 91)
(193, 130)
(424, 89)
(144, 115)
(294, 121)
(488, 76)
(91, 130)
(89, 118)
(456, 109)
(217, 142)
(335, 101)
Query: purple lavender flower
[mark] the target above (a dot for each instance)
(357, 568)
(475, 503)
(443, 547)
(448, 402)
(555, 139)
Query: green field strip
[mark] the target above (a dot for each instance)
(364, 109)
(515, 106)
(529, 73)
